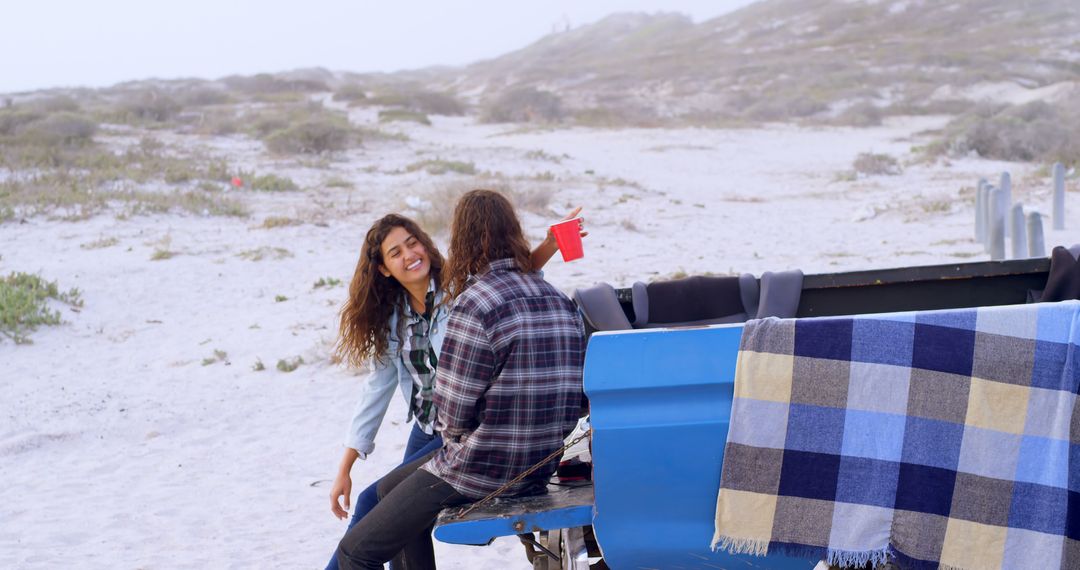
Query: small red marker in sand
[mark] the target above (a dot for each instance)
(237, 182)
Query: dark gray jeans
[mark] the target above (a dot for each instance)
(399, 527)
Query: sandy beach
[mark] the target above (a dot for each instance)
(140, 434)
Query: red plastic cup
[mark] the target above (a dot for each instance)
(568, 236)
(237, 182)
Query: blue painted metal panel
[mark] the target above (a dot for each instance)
(484, 530)
(661, 402)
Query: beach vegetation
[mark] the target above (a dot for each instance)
(265, 252)
(1036, 131)
(264, 86)
(337, 182)
(403, 115)
(218, 356)
(416, 99)
(100, 243)
(317, 135)
(273, 183)
(58, 167)
(541, 155)
(272, 222)
(523, 105)
(289, 364)
(25, 304)
(161, 254)
(144, 107)
(326, 282)
(873, 164)
(350, 93)
(439, 166)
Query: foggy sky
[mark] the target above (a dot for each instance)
(53, 43)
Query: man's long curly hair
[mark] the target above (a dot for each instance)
(484, 228)
(373, 297)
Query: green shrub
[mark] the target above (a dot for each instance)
(350, 94)
(272, 222)
(100, 243)
(434, 103)
(264, 84)
(288, 365)
(148, 105)
(12, 119)
(417, 100)
(219, 356)
(60, 129)
(56, 104)
(313, 136)
(861, 115)
(337, 182)
(1034, 131)
(390, 115)
(438, 166)
(273, 183)
(202, 97)
(24, 304)
(523, 105)
(264, 252)
(870, 164)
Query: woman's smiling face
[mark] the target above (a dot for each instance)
(404, 258)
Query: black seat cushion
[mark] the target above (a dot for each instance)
(694, 300)
(1063, 283)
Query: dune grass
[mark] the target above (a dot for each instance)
(25, 304)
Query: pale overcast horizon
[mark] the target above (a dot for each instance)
(63, 43)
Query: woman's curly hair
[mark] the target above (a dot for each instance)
(484, 228)
(373, 297)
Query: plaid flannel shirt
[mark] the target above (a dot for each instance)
(420, 360)
(508, 387)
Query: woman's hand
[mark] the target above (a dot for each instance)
(343, 484)
(342, 487)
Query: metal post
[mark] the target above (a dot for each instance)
(980, 218)
(1019, 232)
(996, 242)
(1006, 199)
(1036, 240)
(1059, 196)
(987, 215)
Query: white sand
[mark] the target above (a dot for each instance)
(120, 449)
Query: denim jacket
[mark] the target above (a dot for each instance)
(387, 372)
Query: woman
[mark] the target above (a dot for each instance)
(508, 392)
(395, 316)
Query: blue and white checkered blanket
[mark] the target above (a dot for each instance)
(938, 439)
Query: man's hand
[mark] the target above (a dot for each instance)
(550, 238)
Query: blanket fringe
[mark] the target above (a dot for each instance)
(733, 545)
(858, 559)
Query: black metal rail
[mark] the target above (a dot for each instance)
(951, 286)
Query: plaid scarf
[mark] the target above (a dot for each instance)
(420, 360)
(943, 439)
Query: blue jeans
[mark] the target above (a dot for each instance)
(420, 444)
